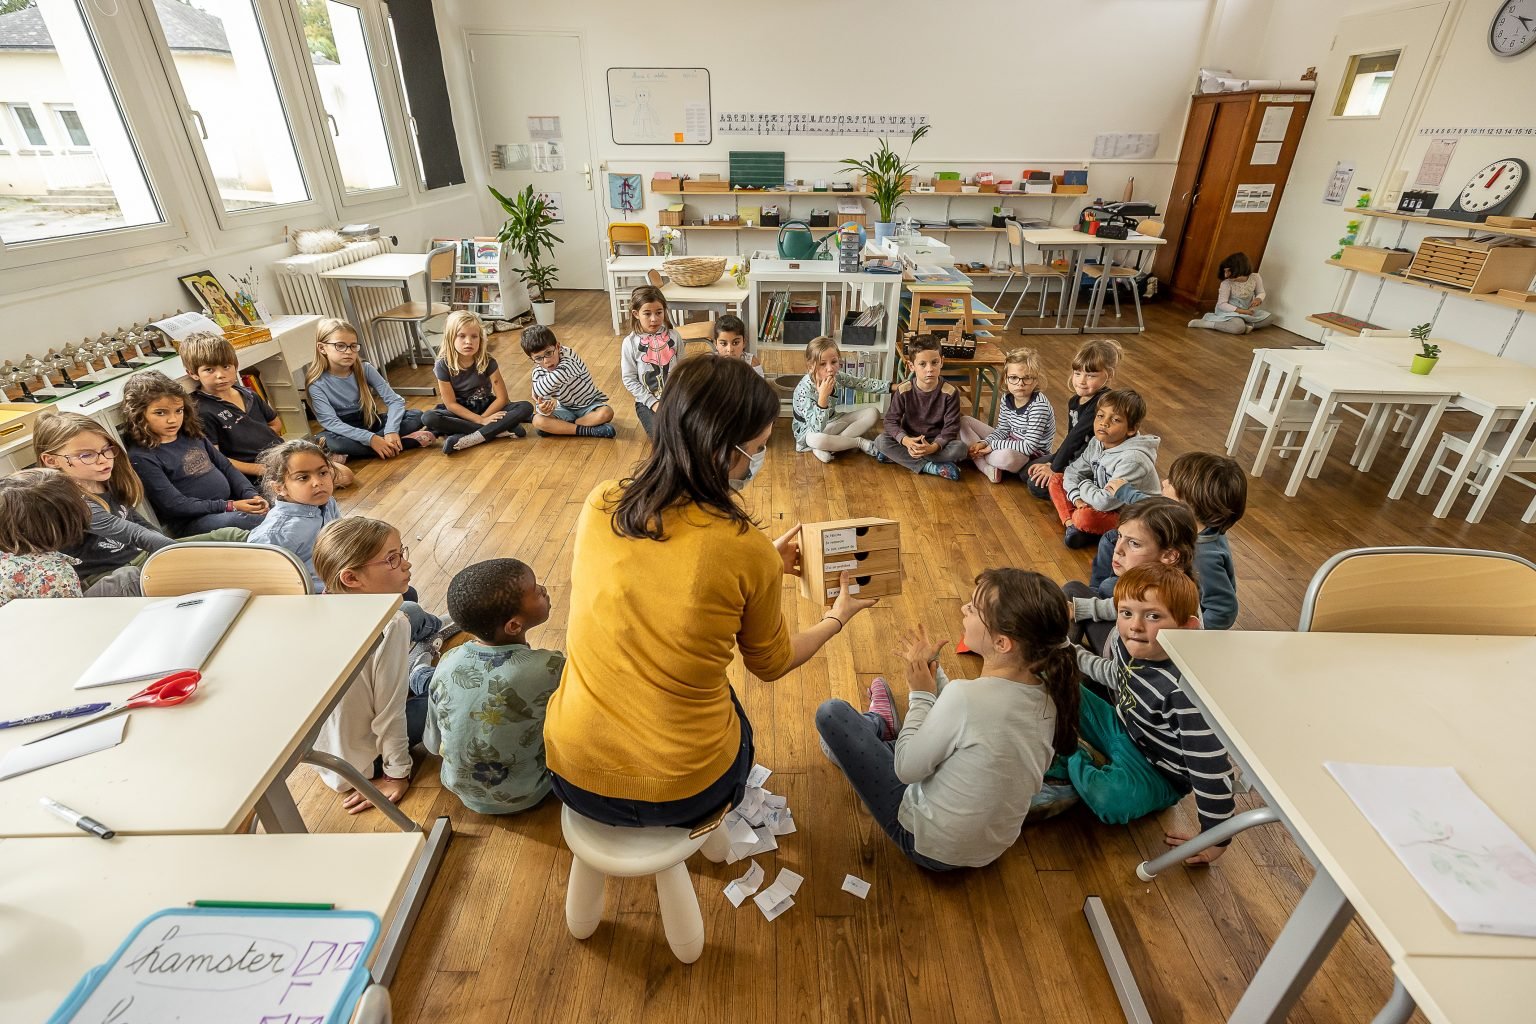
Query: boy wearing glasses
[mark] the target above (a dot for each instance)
(1026, 425)
(566, 400)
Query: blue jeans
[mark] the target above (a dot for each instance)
(572, 415)
(1104, 566)
(338, 444)
(854, 744)
(219, 520)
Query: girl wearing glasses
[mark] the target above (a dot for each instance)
(1026, 426)
(361, 415)
(118, 540)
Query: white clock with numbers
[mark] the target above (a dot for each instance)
(1513, 29)
(1490, 191)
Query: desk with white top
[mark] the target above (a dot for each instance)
(1468, 990)
(1079, 245)
(724, 296)
(66, 904)
(386, 270)
(1283, 703)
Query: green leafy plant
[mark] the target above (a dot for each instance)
(886, 174)
(1420, 334)
(527, 231)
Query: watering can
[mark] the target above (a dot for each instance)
(797, 243)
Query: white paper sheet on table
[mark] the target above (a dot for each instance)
(1473, 865)
(87, 739)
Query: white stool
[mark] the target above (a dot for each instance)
(601, 851)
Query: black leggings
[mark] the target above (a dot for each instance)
(444, 423)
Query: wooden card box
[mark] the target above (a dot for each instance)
(1479, 267)
(1374, 259)
(870, 549)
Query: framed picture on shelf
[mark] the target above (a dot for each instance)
(210, 294)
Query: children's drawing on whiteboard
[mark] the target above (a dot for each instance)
(549, 157)
(643, 121)
(552, 201)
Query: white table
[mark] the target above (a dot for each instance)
(1283, 703)
(66, 904)
(1079, 245)
(386, 270)
(1467, 990)
(724, 296)
(623, 273)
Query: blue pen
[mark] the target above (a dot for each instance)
(49, 716)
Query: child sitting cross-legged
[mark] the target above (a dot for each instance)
(1117, 451)
(1216, 490)
(566, 401)
(922, 424)
(1025, 426)
(361, 415)
(472, 397)
(40, 516)
(1152, 746)
(817, 426)
(730, 341)
(1155, 529)
(488, 695)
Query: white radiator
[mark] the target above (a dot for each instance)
(303, 290)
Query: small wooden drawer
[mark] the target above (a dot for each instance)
(871, 547)
(883, 560)
(847, 539)
(878, 584)
(16, 420)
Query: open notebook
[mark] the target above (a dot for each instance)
(168, 636)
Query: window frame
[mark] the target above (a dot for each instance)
(59, 110)
(391, 114)
(32, 264)
(413, 138)
(26, 133)
(1352, 73)
(273, 32)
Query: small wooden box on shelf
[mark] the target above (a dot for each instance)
(1374, 259)
(869, 549)
(1481, 268)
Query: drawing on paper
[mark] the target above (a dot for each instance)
(624, 193)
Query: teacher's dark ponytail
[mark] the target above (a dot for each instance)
(1033, 612)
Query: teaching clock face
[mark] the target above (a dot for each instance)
(1492, 187)
(1513, 29)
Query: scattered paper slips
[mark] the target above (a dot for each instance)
(779, 822)
(88, 739)
(738, 889)
(779, 896)
(853, 884)
(738, 829)
(762, 843)
(758, 777)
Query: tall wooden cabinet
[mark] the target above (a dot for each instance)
(1233, 141)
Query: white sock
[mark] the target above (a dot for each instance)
(823, 456)
(468, 441)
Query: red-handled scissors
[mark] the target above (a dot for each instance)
(162, 693)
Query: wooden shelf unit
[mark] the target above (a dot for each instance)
(1494, 298)
(1465, 225)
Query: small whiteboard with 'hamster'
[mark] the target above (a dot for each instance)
(660, 106)
(234, 966)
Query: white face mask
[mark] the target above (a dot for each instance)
(754, 467)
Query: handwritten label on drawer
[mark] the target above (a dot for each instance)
(840, 542)
(853, 588)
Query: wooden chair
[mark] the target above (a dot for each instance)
(414, 315)
(1127, 275)
(1422, 590)
(697, 331)
(186, 568)
(1504, 456)
(633, 234)
(1409, 590)
(1031, 271)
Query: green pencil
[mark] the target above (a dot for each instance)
(251, 905)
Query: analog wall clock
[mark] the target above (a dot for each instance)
(1513, 29)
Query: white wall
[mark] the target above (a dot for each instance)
(1464, 85)
(1003, 83)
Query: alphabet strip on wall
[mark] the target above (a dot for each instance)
(728, 123)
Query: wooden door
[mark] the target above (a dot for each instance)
(1186, 177)
(1194, 266)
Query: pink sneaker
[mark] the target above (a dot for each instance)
(423, 437)
(880, 703)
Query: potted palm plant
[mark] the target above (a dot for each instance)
(887, 177)
(1428, 354)
(527, 232)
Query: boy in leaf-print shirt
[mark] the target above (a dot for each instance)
(489, 694)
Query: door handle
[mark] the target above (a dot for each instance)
(586, 170)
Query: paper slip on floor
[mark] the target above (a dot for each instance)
(754, 825)
(1474, 866)
(779, 896)
(87, 739)
(856, 885)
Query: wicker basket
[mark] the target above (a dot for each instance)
(694, 271)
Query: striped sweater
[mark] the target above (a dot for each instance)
(1166, 726)
(1029, 430)
(569, 383)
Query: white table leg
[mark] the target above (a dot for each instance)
(1421, 439)
(1249, 392)
(1091, 324)
(392, 947)
(1312, 443)
(1500, 467)
(1374, 434)
(1302, 946)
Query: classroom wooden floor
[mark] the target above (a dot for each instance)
(1005, 943)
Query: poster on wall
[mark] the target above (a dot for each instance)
(659, 106)
(549, 157)
(1338, 183)
(1276, 121)
(1436, 159)
(1253, 198)
(1125, 145)
(772, 123)
(624, 193)
(544, 128)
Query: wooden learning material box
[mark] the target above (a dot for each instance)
(869, 549)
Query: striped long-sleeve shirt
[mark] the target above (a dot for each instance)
(1166, 727)
(569, 383)
(1029, 430)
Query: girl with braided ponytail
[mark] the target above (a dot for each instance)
(951, 786)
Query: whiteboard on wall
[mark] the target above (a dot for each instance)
(659, 106)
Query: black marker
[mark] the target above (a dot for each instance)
(77, 819)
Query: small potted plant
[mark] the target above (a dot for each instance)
(527, 231)
(1428, 355)
(887, 177)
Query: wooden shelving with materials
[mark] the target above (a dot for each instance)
(1495, 298)
(1484, 228)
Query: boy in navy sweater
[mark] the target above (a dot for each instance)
(922, 424)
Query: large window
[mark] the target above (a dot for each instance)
(49, 58)
(405, 98)
(338, 51)
(218, 52)
(1367, 78)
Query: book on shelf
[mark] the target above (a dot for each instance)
(487, 258)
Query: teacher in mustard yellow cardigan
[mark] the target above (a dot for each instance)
(669, 577)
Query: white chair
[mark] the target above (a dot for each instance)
(602, 851)
(1268, 401)
(1044, 272)
(1119, 275)
(1504, 455)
